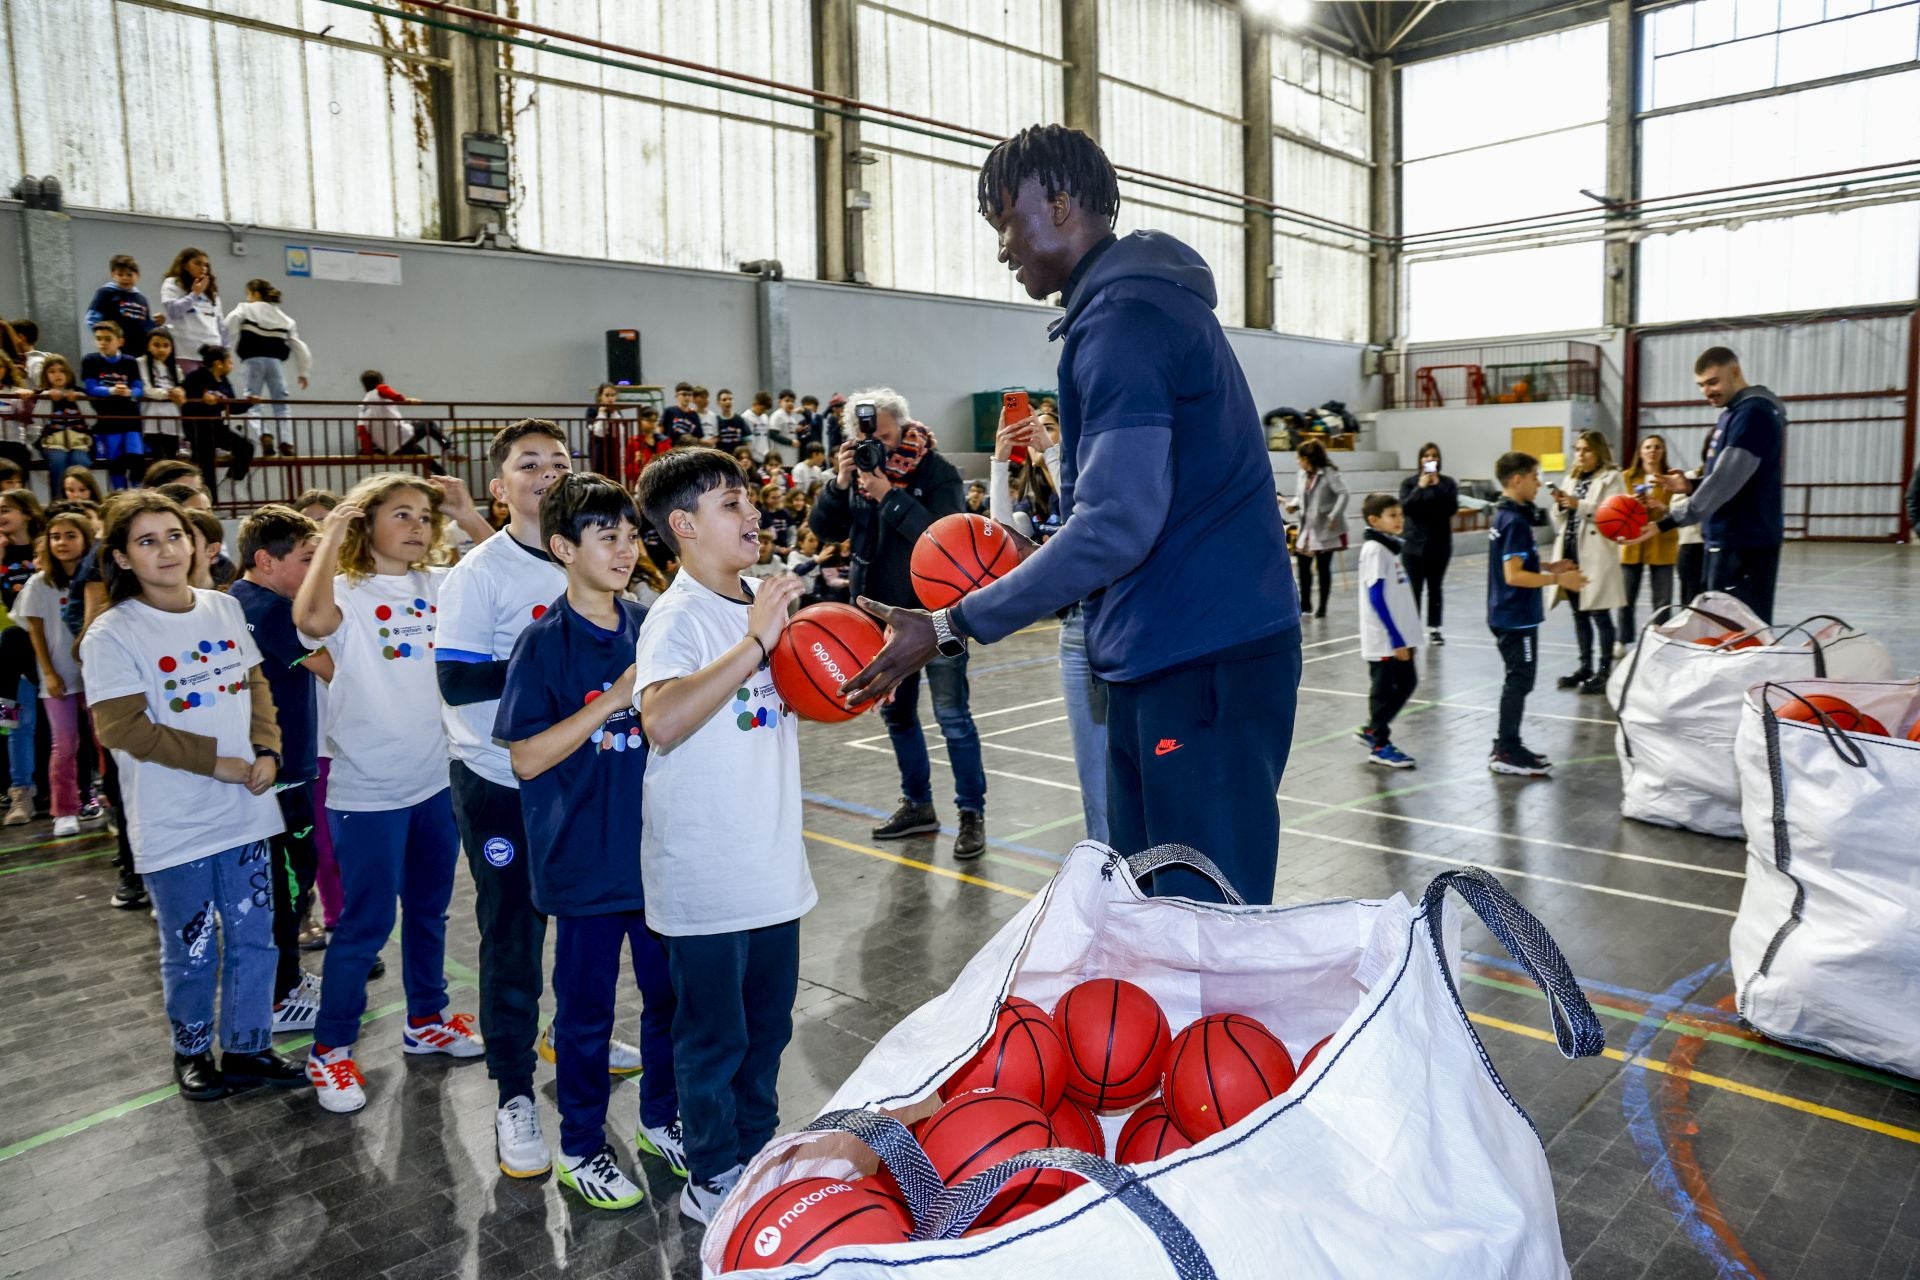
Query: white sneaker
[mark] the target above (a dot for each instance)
(337, 1082)
(599, 1180)
(701, 1200)
(517, 1141)
(623, 1059)
(300, 1010)
(667, 1142)
(67, 826)
(453, 1035)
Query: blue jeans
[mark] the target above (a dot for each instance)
(233, 888)
(948, 676)
(735, 1017)
(267, 372)
(1086, 721)
(586, 977)
(404, 856)
(58, 460)
(20, 742)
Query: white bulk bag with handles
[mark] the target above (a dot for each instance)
(1826, 947)
(1678, 702)
(1397, 1153)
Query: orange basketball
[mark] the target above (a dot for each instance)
(1312, 1053)
(1224, 1067)
(1913, 734)
(978, 1130)
(800, 1220)
(1149, 1134)
(1720, 638)
(822, 647)
(958, 553)
(1620, 517)
(1116, 1039)
(1844, 715)
(1023, 1058)
(1074, 1126)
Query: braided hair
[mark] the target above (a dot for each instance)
(1063, 159)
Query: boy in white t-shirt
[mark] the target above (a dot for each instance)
(1389, 629)
(725, 882)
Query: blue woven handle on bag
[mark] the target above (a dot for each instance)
(1141, 865)
(1576, 1028)
(961, 1205)
(897, 1149)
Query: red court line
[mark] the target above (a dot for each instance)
(1678, 1128)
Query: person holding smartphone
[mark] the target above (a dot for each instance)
(1430, 499)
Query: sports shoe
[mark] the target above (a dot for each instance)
(1365, 734)
(623, 1059)
(1574, 681)
(337, 1082)
(1519, 761)
(300, 1009)
(315, 937)
(130, 896)
(452, 1035)
(1391, 757)
(908, 820)
(972, 840)
(67, 826)
(667, 1142)
(1434, 636)
(599, 1180)
(92, 810)
(517, 1142)
(701, 1200)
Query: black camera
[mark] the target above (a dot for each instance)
(870, 454)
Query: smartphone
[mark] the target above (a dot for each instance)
(1016, 406)
(1430, 466)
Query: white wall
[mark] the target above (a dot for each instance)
(1471, 437)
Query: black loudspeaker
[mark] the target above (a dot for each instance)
(623, 357)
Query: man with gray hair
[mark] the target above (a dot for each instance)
(889, 484)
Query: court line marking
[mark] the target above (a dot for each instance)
(977, 715)
(1329, 657)
(1540, 840)
(1049, 826)
(1721, 1082)
(1486, 1020)
(56, 862)
(1464, 706)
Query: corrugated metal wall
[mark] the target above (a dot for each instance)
(1845, 444)
(620, 164)
(1170, 102)
(1325, 98)
(977, 63)
(149, 110)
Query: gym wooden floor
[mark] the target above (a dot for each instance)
(1694, 1148)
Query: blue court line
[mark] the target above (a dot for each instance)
(1705, 1013)
(1637, 1105)
(847, 806)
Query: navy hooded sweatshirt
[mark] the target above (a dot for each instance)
(1173, 539)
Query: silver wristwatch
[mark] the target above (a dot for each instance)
(951, 644)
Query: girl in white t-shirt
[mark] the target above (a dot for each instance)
(388, 809)
(179, 697)
(41, 606)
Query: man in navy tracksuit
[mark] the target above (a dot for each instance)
(1192, 619)
(1738, 502)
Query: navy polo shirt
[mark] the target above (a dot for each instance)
(1512, 608)
(582, 815)
(283, 658)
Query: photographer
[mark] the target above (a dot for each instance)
(889, 484)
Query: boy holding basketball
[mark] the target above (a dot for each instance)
(1514, 608)
(567, 718)
(1389, 629)
(725, 879)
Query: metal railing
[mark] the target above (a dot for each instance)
(1497, 373)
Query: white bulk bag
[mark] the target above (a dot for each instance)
(1679, 702)
(1826, 948)
(1398, 1152)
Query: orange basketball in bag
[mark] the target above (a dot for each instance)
(1807, 706)
(823, 646)
(1720, 638)
(978, 1130)
(958, 553)
(1224, 1068)
(801, 1220)
(1116, 1040)
(1620, 517)
(1913, 734)
(1148, 1134)
(1023, 1058)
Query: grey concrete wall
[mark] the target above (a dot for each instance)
(13, 267)
(468, 324)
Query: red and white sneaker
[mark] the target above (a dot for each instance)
(337, 1082)
(453, 1035)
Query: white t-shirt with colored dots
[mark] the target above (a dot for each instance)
(381, 726)
(720, 846)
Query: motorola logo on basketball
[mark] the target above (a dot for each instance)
(795, 1209)
(826, 660)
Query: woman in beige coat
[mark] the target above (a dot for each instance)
(1592, 480)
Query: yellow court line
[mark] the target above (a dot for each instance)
(1531, 1033)
(915, 863)
(1721, 1082)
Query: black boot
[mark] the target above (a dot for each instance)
(198, 1078)
(1597, 683)
(908, 820)
(1574, 681)
(251, 1070)
(972, 841)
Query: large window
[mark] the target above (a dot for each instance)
(1505, 132)
(1321, 148)
(987, 67)
(621, 164)
(1862, 247)
(1170, 103)
(153, 110)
